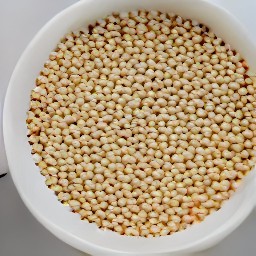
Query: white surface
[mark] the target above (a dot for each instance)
(12, 216)
(19, 21)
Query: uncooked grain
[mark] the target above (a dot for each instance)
(144, 124)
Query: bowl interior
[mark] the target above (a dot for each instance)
(43, 203)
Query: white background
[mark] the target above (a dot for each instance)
(20, 233)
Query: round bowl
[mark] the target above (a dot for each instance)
(43, 203)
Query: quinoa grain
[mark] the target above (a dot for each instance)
(143, 125)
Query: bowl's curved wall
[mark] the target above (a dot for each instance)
(43, 203)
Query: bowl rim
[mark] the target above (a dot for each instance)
(231, 223)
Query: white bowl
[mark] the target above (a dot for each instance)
(30, 184)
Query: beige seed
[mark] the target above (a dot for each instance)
(147, 131)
